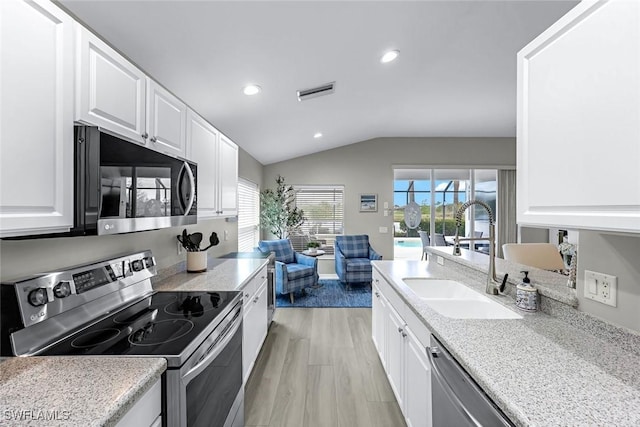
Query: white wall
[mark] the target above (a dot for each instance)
(367, 167)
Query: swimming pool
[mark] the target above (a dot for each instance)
(407, 243)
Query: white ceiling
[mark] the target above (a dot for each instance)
(456, 74)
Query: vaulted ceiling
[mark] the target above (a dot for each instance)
(455, 76)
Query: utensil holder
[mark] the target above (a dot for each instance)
(196, 262)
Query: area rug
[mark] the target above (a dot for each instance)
(332, 293)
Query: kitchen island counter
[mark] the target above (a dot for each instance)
(73, 391)
(540, 370)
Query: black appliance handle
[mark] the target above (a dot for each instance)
(216, 347)
(192, 185)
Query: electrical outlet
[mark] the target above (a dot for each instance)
(383, 230)
(601, 287)
(226, 235)
(180, 248)
(440, 260)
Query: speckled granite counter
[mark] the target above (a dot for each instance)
(540, 370)
(73, 391)
(221, 275)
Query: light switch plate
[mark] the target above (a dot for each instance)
(601, 287)
(383, 229)
(440, 260)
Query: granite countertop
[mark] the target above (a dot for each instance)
(221, 275)
(73, 391)
(539, 370)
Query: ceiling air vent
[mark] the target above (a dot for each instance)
(315, 92)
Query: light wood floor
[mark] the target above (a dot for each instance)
(319, 367)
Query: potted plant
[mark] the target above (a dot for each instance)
(278, 213)
(313, 247)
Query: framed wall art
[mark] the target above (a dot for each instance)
(368, 203)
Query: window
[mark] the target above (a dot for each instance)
(248, 215)
(323, 207)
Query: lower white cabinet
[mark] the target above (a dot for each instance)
(402, 351)
(147, 411)
(255, 322)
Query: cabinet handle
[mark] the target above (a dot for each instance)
(377, 295)
(404, 335)
(145, 135)
(400, 330)
(247, 295)
(154, 139)
(255, 300)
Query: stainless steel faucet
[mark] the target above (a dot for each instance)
(493, 286)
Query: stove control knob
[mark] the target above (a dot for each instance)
(62, 290)
(38, 297)
(137, 265)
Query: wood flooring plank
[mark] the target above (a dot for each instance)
(262, 385)
(350, 390)
(321, 337)
(289, 402)
(296, 320)
(386, 414)
(320, 409)
(339, 327)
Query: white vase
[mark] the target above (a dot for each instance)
(196, 262)
(313, 250)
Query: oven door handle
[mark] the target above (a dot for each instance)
(213, 353)
(192, 184)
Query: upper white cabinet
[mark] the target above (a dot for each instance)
(228, 167)
(114, 94)
(579, 121)
(217, 159)
(166, 120)
(36, 129)
(110, 90)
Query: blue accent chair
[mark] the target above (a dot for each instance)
(294, 271)
(353, 256)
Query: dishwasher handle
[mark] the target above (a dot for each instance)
(433, 353)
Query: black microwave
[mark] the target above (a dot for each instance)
(122, 187)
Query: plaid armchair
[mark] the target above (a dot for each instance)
(353, 256)
(294, 271)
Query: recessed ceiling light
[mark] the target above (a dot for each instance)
(389, 56)
(251, 89)
(317, 135)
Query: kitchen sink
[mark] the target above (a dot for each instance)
(457, 301)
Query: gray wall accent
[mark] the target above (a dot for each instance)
(26, 257)
(367, 167)
(534, 235)
(249, 168)
(615, 254)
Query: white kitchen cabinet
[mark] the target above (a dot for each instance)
(146, 411)
(396, 353)
(228, 178)
(578, 121)
(217, 159)
(378, 321)
(166, 120)
(403, 353)
(110, 90)
(114, 94)
(255, 321)
(36, 128)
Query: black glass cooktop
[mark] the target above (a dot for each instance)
(163, 324)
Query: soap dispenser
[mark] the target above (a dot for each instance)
(526, 294)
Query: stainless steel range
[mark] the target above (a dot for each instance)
(110, 308)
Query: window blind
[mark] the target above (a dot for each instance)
(323, 207)
(248, 215)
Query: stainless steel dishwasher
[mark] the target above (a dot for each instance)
(456, 399)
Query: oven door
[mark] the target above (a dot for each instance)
(207, 389)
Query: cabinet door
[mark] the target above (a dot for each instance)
(228, 179)
(166, 120)
(248, 339)
(578, 113)
(379, 315)
(146, 410)
(36, 128)
(202, 140)
(395, 354)
(111, 90)
(255, 329)
(261, 317)
(417, 396)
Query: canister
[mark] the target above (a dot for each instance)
(526, 294)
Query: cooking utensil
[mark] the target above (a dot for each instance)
(195, 239)
(213, 240)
